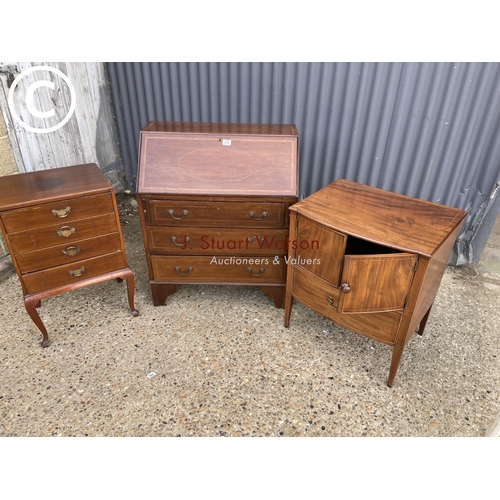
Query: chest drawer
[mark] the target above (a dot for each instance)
(62, 232)
(68, 252)
(209, 241)
(249, 269)
(224, 213)
(51, 213)
(74, 272)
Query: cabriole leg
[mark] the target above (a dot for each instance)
(30, 304)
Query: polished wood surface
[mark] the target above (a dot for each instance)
(62, 230)
(223, 241)
(218, 191)
(248, 269)
(378, 261)
(43, 186)
(240, 213)
(227, 159)
(386, 218)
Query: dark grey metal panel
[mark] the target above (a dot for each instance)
(428, 130)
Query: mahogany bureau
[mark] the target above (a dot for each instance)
(62, 230)
(370, 260)
(214, 200)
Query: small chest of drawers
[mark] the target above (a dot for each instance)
(214, 204)
(63, 232)
(370, 260)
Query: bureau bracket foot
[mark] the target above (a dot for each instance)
(161, 292)
(30, 304)
(277, 293)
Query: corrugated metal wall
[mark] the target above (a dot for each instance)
(429, 130)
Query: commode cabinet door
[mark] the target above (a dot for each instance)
(376, 283)
(319, 249)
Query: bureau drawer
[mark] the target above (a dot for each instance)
(224, 213)
(74, 272)
(320, 296)
(204, 241)
(64, 211)
(66, 253)
(218, 269)
(62, 232)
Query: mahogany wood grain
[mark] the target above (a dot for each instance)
(254, 269)
(62, 230)
(220, 240)
(383, 217)
(67, 233)
(68, 252)
(218, 185)
(189, 213)
(391, 253)
(66, 212)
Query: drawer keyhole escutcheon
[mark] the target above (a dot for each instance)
(77, 272)
(66, 231)
(174, 239)
(64, 212)
(345, 288)
(172, 214)
(71, 251)
(252, 215)
(178, 269)
(250, 270)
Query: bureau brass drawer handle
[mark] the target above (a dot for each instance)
(66, 231)
(77, 272)
(64, 212)
(178, 269)
(71, 251)
(252, 238)
(250, 270)
(345, 288)
(252, 215)
(174, 239)
(171, 212)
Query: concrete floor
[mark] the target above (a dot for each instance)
(217, 361)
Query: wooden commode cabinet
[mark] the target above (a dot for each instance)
(370, 260)
(214, 201)
(62, 230)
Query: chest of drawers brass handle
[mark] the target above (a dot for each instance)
(252, 215)
(66, 231)
(76, 272)
(250, 270)
(64, 212)
(174, 240)
(71, 251)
